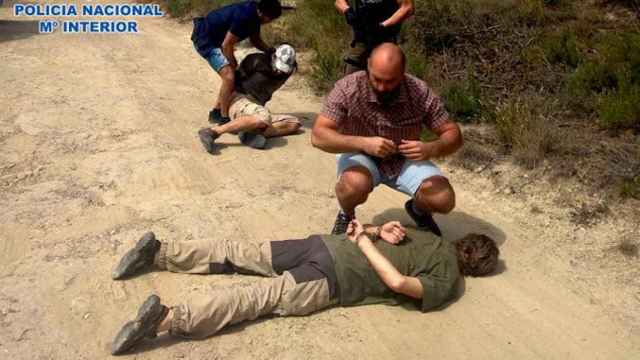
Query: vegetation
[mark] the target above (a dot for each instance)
(529, 67)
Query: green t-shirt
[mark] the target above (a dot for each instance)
(421, 254)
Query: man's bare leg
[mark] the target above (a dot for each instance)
(227, 74)
(243, 123)
(284, 127)
(353, 189)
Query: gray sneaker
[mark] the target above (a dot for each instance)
(253, 140)
(208, 138)
(138, 258)
(145, 325)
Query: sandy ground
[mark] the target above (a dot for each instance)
(98, 145)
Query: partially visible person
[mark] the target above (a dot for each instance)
(373, 22)
(257, 78)
(306, 275)
(215, 36)
(374, 120)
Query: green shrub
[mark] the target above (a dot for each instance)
(592, 77)
(462, 99)
(416, 62)
(525, 129)
(610, 81)
(562, 48)
(437, 23)
(630, 188)
(620, 109)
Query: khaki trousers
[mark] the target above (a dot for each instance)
(296, 285)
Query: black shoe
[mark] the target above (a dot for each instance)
(208, 138)
(215, 117)
(138, 258)
(253, 140)
(150, 315)
(423, 221)
(341, 224)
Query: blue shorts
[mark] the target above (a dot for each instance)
(411, 176)
(216, 59)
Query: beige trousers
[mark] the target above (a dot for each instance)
(204, 315)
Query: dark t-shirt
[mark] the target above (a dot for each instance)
(240, 19)
(373, 12)
(422, 255)
(256, 79)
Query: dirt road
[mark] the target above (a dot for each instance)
(98, 145)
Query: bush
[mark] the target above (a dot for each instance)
(620, 109)
(526, 130)
(463, 99)
(592, 77)
(631, 188)
(562, 48)
(609, 83)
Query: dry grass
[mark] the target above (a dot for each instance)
(527, 130)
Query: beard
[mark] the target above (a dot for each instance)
(387, 97)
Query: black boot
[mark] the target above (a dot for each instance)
(145, 325)
(139, 258)
(341, 223)
(422, 220)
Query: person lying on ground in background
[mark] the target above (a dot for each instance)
(369, 264)
(257, 78)
(375, 121)
(215, 36)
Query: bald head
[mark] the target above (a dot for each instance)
(386, 70)
(388, 56)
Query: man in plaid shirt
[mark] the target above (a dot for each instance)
(374, 119)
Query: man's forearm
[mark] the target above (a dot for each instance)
(259, 44)
(341, 6)
(448, 143)
(333, 142)
(402, 14)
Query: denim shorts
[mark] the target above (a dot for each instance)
(216, 59)
(411, 176)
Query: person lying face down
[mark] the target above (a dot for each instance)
(257, 78)
(387, 264)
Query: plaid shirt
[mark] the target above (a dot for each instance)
(353, 105)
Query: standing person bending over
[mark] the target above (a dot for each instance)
(373, 22)
(216, 35)
(258, 77)
(306, 275)
(374, 120)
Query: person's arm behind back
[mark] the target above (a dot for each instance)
(390, 276)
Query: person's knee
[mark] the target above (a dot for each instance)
(354, 182)
(437, 194)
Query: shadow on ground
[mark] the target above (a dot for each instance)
(11, 30)
(454, 225)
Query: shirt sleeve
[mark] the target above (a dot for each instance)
(436, 114)
(335, 106)
(437, 290)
